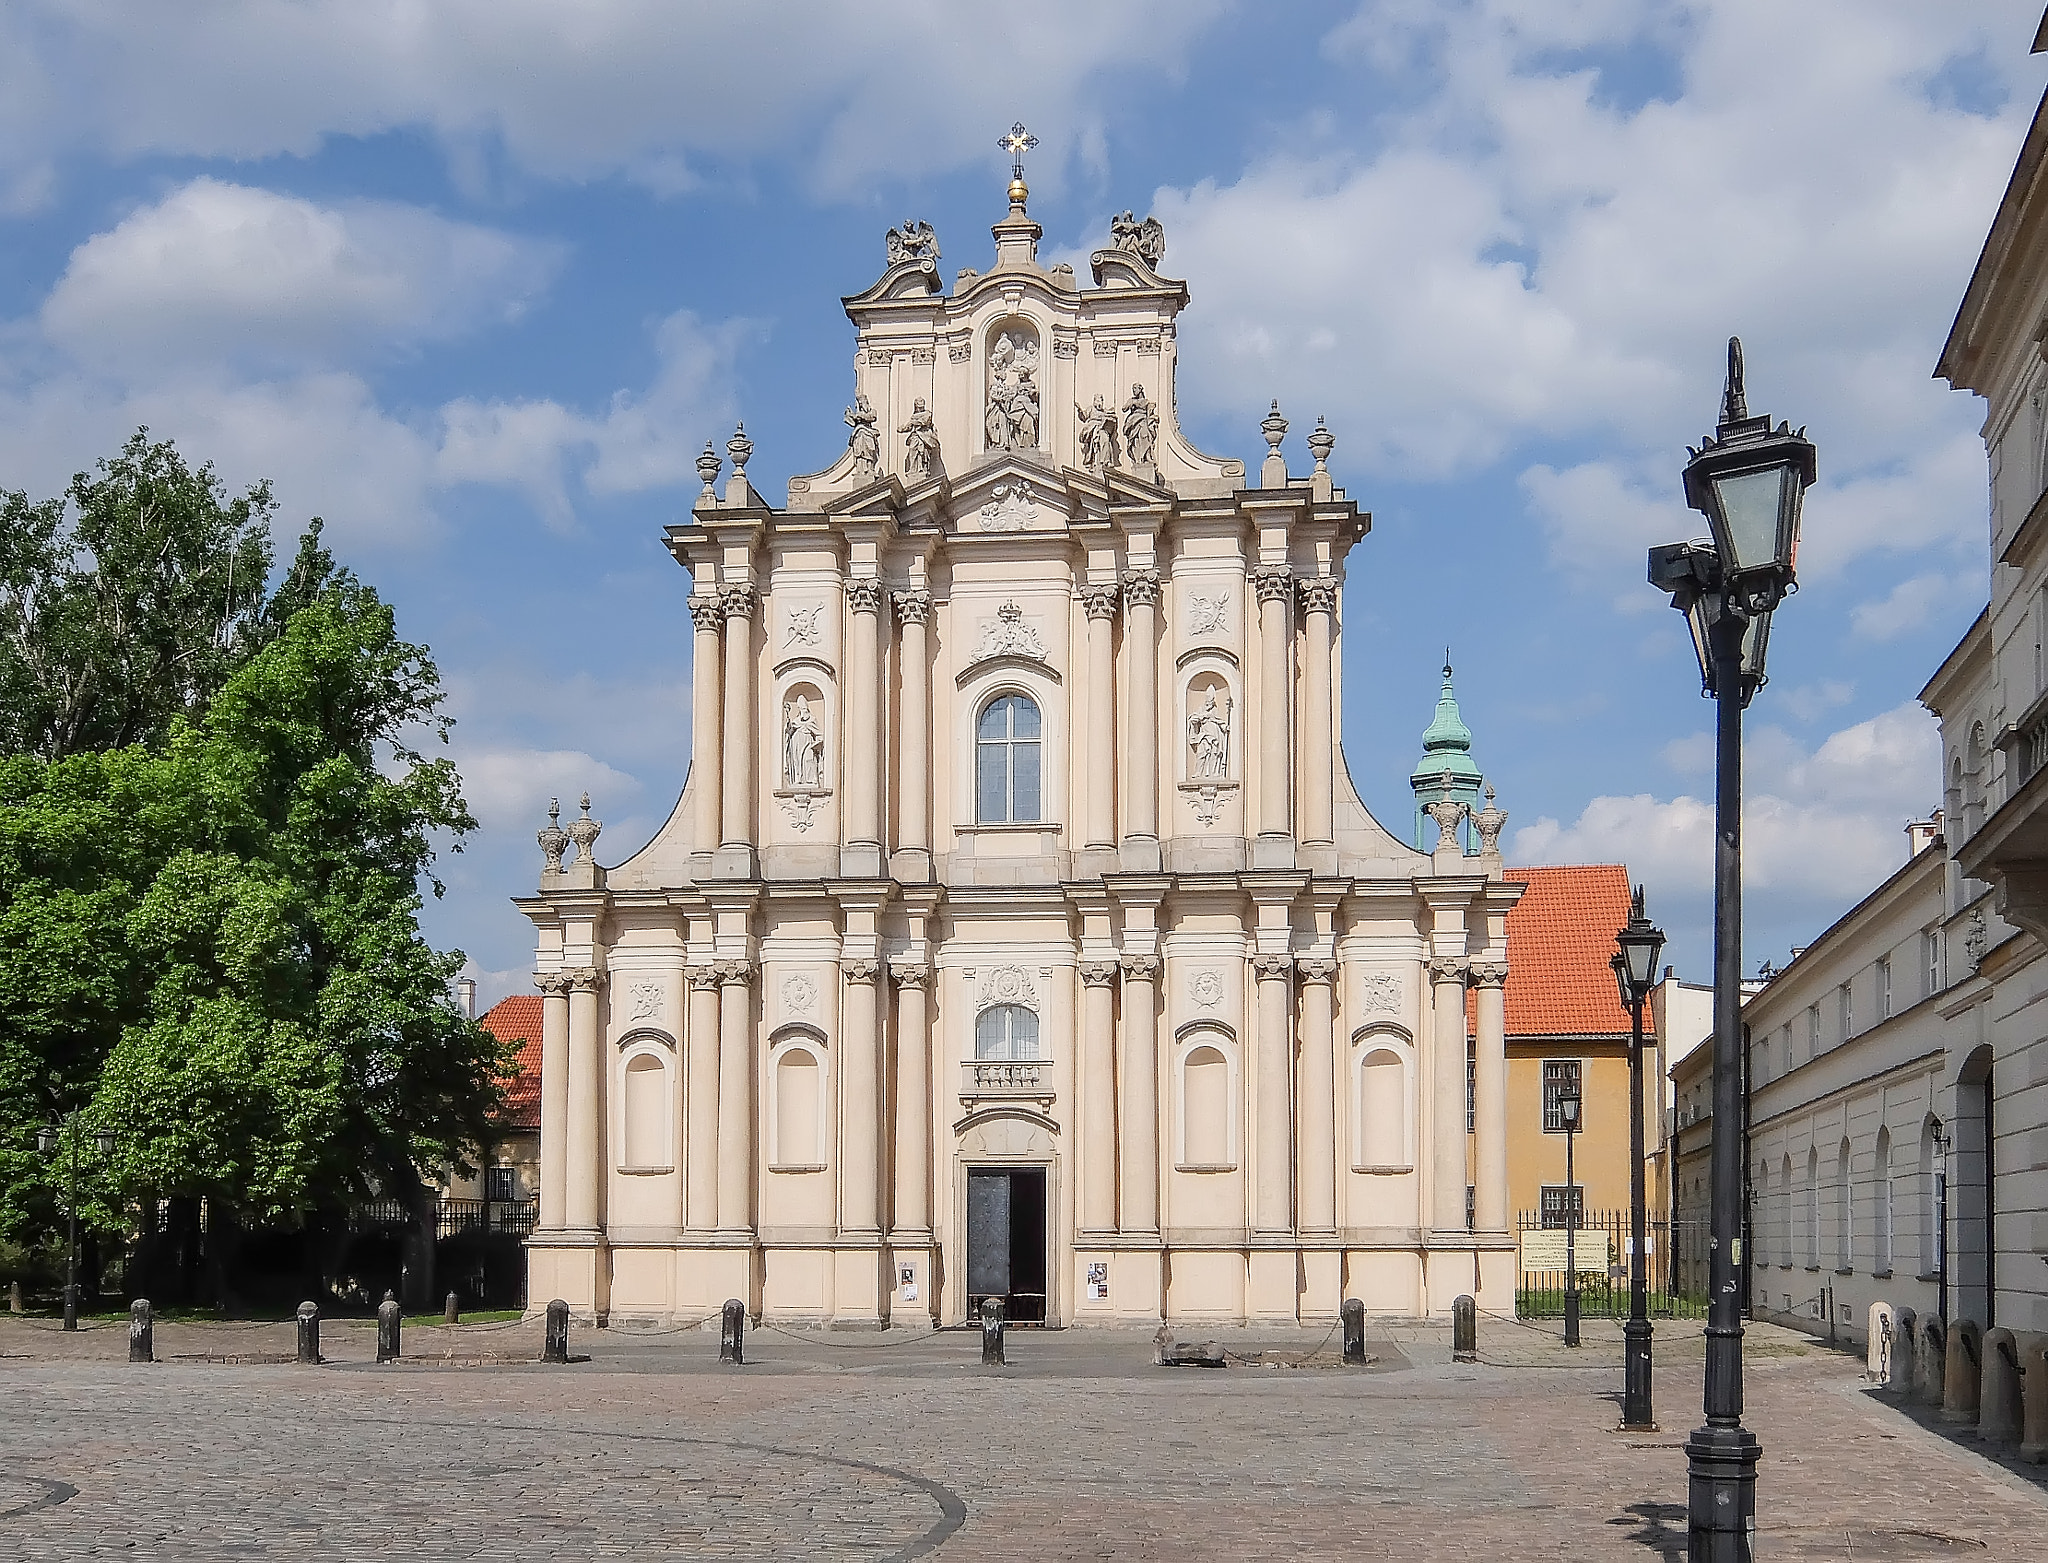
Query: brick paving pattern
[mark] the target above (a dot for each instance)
(904, 1447)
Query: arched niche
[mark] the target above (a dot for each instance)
(1013, 383)
(1382, 1130)
(805, 751)
(799, 1101)
(647, 1108)
(1206, 1091)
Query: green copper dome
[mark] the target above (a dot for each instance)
(1447, 741)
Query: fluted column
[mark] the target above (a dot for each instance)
(707, 676)
(1140, 1161)
(1141, 728)
(860, 1126)
(1447, 1097)
(586, 1099)
(1319, 721)
(701, 1141)
(913, 610)
(1316, 1161)
(740, 603)
(554, 1097)
(1275, 585)
(1100, 758)
(1098, 1096)
(863, 744)
(913, 1216)
(1272, 1191)
(1490, 1098)
(735, 1097)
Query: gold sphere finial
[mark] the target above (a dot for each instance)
(1018, 191)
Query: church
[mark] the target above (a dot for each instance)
(1019, 932)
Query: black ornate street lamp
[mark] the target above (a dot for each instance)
(1748, 480)
(1635, 973)
(66, 1128)
(1568, 1115)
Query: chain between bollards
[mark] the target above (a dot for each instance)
(141, 1332)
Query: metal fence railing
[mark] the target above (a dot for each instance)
(1676, 1264)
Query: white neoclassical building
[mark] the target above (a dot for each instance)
(1019, 932)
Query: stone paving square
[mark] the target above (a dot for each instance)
(897, 1447)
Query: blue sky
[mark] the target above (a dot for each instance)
(475, 281)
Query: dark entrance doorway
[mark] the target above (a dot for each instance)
(1006, 1251)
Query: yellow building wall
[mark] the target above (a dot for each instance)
(1600, 1152)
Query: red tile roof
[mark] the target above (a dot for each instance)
(1560, 935)
(517, 1019)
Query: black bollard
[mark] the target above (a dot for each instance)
(1464, 1330)
(387, 1328)
(732, 1332)
(309, 1332)
(451, 1310)
(992, 1332)
(1354, 1333)
(557, 1347)
(141, 1332)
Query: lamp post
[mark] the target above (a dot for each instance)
(1748, 479)
(1568, 1115)
(46, 1141)
(1635, 973)
(1941, 1143)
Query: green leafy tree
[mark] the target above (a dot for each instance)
(128, 602)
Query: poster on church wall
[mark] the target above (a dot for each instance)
(1098, 1280)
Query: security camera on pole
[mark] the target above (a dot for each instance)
(1748, 479)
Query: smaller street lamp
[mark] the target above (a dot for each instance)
(1941, 1145)
(47, 1137)
(1635, 974)
(1568, 1115)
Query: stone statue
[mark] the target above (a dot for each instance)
(1011, 418)
(1141, 428)
(916, 242)
(921, 441)
(803, 744)
(1146, 240)
(1209, 737)
(864, 442)
(1098, 435)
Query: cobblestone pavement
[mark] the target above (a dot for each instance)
(904, 1446)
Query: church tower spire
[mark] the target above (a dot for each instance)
(1446, 769)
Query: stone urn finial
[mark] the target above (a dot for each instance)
(584, 832)
(1273, 426)
(708, 466)
(1489, 822)
(739, 448)
(553, 839)
(1320, 443)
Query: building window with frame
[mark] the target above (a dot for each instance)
(1562, 1205)
(1006, 762)
(1884, 988)
(1930, 963)
(1846, 1005)
(1006, 1033)
(1471, 1092)
(1557, 1074)
(1812, 1031)
(501, 1183)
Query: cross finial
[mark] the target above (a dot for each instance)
(1017, 143)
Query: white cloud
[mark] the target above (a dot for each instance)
(1911, 604)
(1820, 828)
(648, 89)
(509, 788)
(227, 272)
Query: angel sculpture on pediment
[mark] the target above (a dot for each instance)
(915, 242)
(1146, 240)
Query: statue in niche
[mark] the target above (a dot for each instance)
(1098, 436)
(1209, 736)
(1141, 428)
(1011, 420)
(864, 442)
(803, 745)
(921, 441)
(1146, 240)
(916, 242)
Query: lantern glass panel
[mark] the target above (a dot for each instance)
(1640, 950)
(1750, 504)
(1620, 967)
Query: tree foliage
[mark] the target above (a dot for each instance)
(211, 941)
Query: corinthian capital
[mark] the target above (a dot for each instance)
(1489, 974)
(910, 974)
(1098, 974)
(1099, 601)
(1141, 968)
(864, 596)
(584, 979)
(1273, 968)
(1324, 972)
(862, 972)
(735, 974)
(707, 611)
(1319, 596)
(913, 607)
(701, 976)
(1447, 968)
(1141, 589)
(553, 984)
(1273, 582)
(740, 602)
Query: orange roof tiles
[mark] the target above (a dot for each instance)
(1560, 935)
(517, 1019)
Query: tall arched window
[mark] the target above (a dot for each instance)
(799, 1110)
(1786, 1255)
(1886, 1216)
(1930, 1200)
(1845, 1210)
(1006, 1031)
(1205, 1108)
(1812, 1208)
(1006, 747)
(1382, 1126)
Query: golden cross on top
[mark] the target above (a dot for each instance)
(1017, 143)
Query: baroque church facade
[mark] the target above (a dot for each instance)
(1019, 932)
